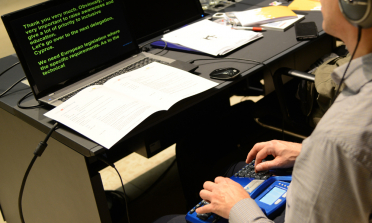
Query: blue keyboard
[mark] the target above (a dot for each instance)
(267, 188)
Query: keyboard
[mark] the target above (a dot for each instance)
(257, 186)
(134, 66)
(249, 172)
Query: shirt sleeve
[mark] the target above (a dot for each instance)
(330, 183)
(246, 211)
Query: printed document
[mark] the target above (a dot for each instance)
(259, 16)
(284, 24)
(306, 5)
(212, 38)
(106, 113)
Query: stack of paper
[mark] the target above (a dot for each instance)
(305, 5)
(106, 113)
(255, 17)
(211, 38)
(282, 25)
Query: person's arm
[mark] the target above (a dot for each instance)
(331, 182)
(285, 154)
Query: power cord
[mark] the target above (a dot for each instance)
(144, 48)
(249, 60)
(7, 90)
(165, 46)
(160, 178)
(106, 161)
(27, 107)
(124, 196)
(10, 88)
(24, 97)
(38, 152)
(9, 68)
(233, 58)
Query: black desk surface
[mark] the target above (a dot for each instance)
(273, 46)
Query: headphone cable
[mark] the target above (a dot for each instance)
(347, 67)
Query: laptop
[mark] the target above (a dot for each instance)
(67, 45)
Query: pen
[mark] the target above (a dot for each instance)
(249, 28)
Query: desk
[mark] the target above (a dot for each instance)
(64, 184)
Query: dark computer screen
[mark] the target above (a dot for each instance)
(60, 40)
(154, 18)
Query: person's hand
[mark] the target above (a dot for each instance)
(222, 195)
(285, 154)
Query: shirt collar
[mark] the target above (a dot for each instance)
(358, 73)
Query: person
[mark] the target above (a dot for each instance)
(332, 168)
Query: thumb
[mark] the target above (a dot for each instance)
(204, 209)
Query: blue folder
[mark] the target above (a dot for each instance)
(172, 46)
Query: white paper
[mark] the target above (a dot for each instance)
(211, 38)
(257, 16)
(105, 114)
(160, 85)
(282, 25)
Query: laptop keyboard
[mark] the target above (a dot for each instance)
(131, 67)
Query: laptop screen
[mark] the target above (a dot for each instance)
(154, 18)
(57, 41)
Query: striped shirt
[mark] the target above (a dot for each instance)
(332, 176)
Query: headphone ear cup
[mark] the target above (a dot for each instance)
(357, 12)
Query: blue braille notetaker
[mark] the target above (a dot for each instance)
(268, 189)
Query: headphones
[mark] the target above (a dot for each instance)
(357, 12)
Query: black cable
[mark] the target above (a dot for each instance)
(27, 107)
(165, 46)
(347, 67)
(283, 129)
(144, 46)
(7, 90)
(22, 188)
(2, 94)
(38, 152)
(125, 194)
(161, 177)
(249, 60)
(9, 68)
(103, 159)
(232, 58)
